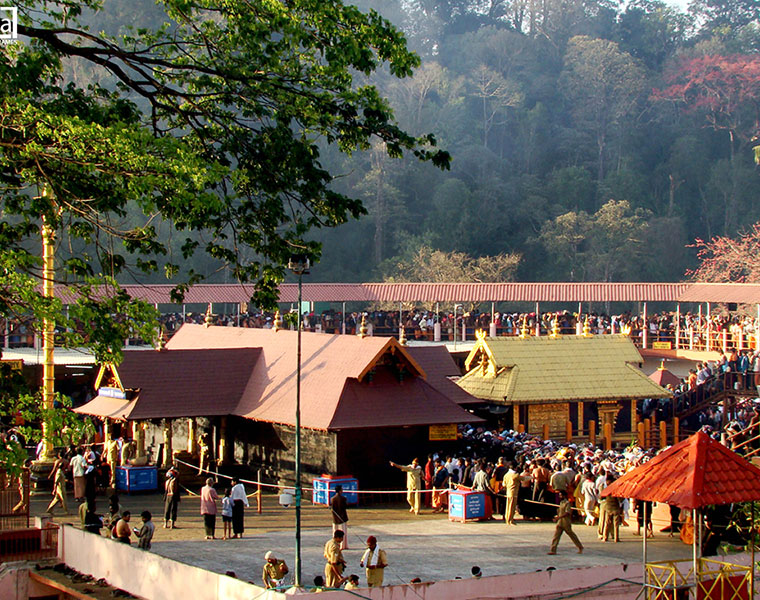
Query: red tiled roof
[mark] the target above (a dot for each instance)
(387, 403)
(694, 473)
(187, 383)
(742, 293)
(461, 292)
(664, 377)
(439, 365)
(327, 362)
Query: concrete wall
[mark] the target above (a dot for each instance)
(524, 586)
(14, 581)
(148, 575)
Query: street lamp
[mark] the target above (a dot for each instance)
(299, 264)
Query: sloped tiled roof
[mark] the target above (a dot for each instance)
(664, 377)
(568, 368)
(105, 406)
(187, 383)
(439, 365)
(694, 473)
(386, 403)
(327, 363)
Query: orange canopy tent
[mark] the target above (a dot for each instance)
(694, 473)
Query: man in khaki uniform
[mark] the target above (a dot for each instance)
(413, 484)
(375, 561)
(511, 489)
(335, 562)
(564, 523)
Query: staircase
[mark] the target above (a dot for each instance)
(726, 389)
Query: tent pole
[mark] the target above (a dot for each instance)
(752, 553)
(694, 547)
(644, 537)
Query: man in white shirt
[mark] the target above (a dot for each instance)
(239, 502)
(78, 464)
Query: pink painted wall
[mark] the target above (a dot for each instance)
(521, 585)
(146, 574)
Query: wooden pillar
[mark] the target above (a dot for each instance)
(107, 436)
(592, 432)
(168, 451)
(647, 432)
(515, 417)
(608, 436)
(691, 337)
(545, 431)
(580, 419)
(139, 429)
(192, 436)
(645, 328)
(634, 416)
(678, 326)
(568, 431)
(676, 430)
(708, 343)
(538, 321)
(642, 436)
(223, 453)
(663, 434)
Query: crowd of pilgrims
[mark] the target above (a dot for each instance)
(419, 324)
(548, 470)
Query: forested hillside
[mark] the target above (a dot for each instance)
(597, 142)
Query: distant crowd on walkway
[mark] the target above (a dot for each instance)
(725, 330)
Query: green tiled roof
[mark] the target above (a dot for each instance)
(568, 368)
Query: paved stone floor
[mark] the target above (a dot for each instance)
(427, 546)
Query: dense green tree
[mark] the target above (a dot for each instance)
(602, 85)
(230, 102)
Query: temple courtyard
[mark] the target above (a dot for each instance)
(428, 546)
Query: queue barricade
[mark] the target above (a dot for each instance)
(324, 489)
(466, 505)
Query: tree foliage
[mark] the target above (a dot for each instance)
(726, 259)
(199, 133)
(434, 266)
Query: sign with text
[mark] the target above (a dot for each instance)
(111, 392)
(442, 433)
(8, 24)
(662, 345)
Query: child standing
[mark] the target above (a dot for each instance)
(227, 514)
(145, 533)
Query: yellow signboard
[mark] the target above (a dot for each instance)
(442, 433)
(15, 363)
(662, 345)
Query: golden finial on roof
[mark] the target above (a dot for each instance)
(209, 317)
(161, 341)
(480, 334)
(524, 332)
(626, 329)
(363, 327)
(402, 336)
(662, 365)
(555, 328)
(277, 320)
(586, 328)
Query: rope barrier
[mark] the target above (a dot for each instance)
(402, 492)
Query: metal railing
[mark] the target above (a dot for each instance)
(29, 543)
(714, 580)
